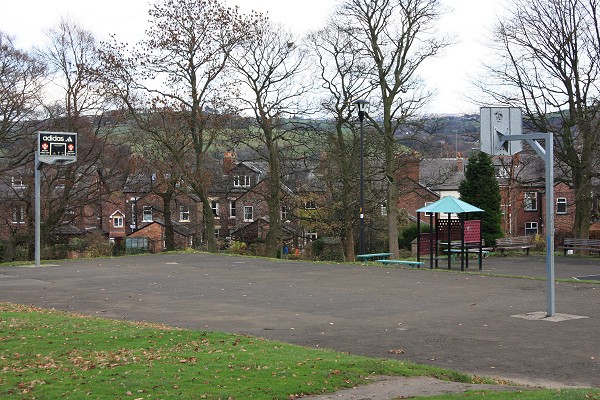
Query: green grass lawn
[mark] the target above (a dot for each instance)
(47, 354)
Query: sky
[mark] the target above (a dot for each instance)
(450, 74)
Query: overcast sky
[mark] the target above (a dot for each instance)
(469, 20)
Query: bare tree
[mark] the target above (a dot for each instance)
(269, 67)
(181, 65)
(395, 37)
(21, 84)
(550, 67)
(343, 79)
(79, 105)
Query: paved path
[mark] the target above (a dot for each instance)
(453, 320)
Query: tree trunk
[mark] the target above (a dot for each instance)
(582, 185)
(274, 200)
(169, 232)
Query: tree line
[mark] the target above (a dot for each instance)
(206, 76)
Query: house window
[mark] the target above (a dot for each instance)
(232, 209)
(530, 201)
(383, 209)
(248, 214)
(502, 172)
(428, 214)
(531, 228)
(215, 208)
(17, 183)
(18, 214)
(284, 213)
(561, 205)
(147, 214)
(184, 214)
(217, 231)
(310, 205)
(309, 237)
(117, 221)
(241, 181)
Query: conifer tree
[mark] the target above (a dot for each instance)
(480, 188)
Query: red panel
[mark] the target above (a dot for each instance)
(472, 231)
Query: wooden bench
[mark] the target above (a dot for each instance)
(580, 244)
(515, 243)
(374, 256)
(405, 262)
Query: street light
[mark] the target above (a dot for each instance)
(362, 106)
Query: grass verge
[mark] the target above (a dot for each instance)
(52, 354)
(48, 354)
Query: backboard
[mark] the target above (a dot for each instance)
(497, 122)
(57, 147)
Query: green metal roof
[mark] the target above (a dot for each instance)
(449, 205)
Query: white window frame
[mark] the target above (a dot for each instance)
(384, 211)
(529, 227)
(147, 214)
(428, 214)
(214, 204)
(310, 205)
(530, 201)
(17, 183)
(561, 203)
(285, 211)
(309, 237)
(18, 214)
(241, 181)
(248, 212)
(184, 214)
(232, 209)
(118, 221)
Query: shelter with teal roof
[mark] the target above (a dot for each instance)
(451, 235)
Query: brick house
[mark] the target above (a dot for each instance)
(523, 191)
(154, 232)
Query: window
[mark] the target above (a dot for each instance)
(214, 204)
(184, 214)
(241, 181)
(428, 214)
(284, 213)
(17, 183)
(310, 205)
(309, 237)
(217, 232)
(117, 221)
(147, 214)
(383, 209)
(18, 214)
(248, 214)
(531, 228)
(232, 209)
(530, 202)
(502, 172)
(561, 205)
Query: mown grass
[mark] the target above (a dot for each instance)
(47, 354)
(51, 354)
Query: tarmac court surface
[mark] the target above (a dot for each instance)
(480, 324)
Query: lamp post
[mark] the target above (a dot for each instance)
(362, 105)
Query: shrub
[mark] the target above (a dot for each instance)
(237, 247)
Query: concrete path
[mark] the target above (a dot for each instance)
(454, 320)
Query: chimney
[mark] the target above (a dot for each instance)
(229, 160)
